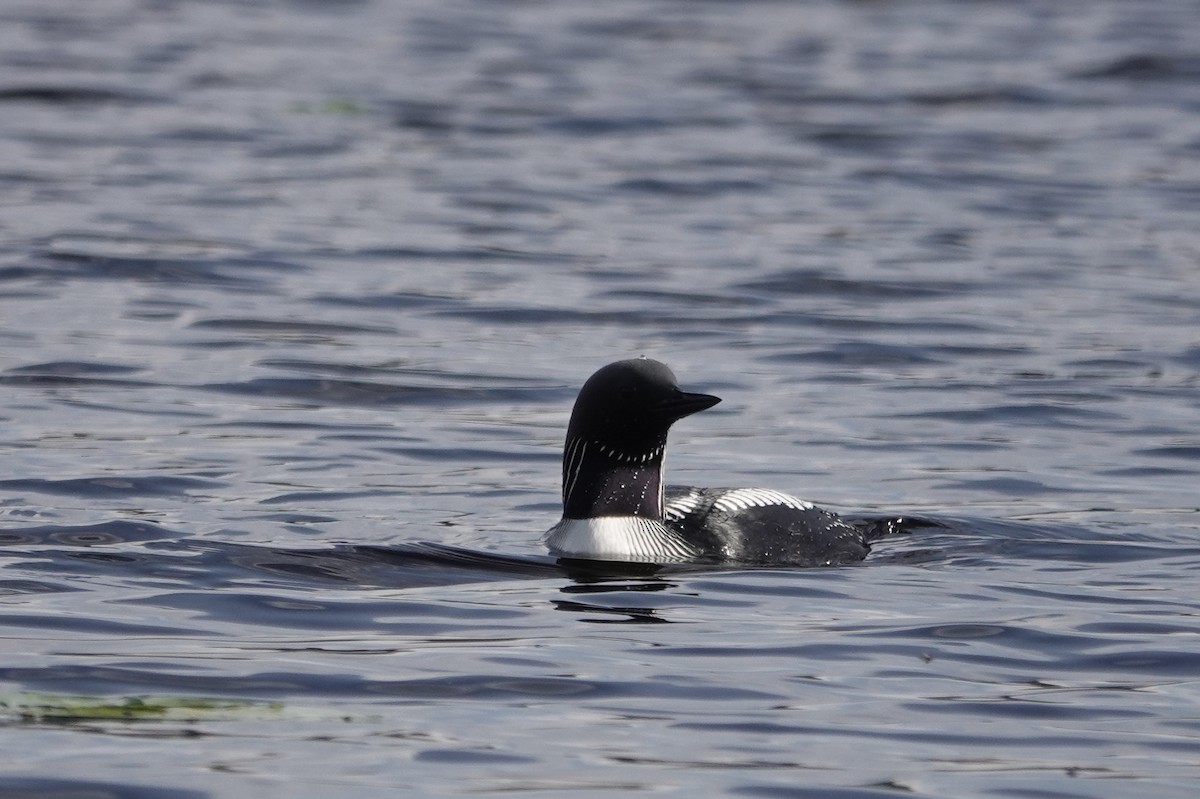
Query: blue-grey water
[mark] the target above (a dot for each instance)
(295, 297)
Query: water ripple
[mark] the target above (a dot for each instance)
(295, 303)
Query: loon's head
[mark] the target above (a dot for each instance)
(612, 463)
(628, 406)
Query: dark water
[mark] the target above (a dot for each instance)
(295, 297)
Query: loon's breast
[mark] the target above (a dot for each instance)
(632, 539)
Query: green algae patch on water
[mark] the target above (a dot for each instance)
(61, 708)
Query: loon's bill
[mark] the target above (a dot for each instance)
(615, 507)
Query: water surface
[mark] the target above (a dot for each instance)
(295, 297)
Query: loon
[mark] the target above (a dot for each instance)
(615, 507)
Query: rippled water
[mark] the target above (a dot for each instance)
(295, 298)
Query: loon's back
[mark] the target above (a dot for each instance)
(758, 526)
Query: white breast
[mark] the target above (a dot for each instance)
(632, 539)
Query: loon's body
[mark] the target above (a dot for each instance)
(615, 507)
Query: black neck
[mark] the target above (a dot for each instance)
(598, 481)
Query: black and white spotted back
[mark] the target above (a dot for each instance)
(761, 526)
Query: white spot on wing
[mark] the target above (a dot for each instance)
(679, 507)
(738, 499)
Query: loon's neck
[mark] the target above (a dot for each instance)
(601, 481)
